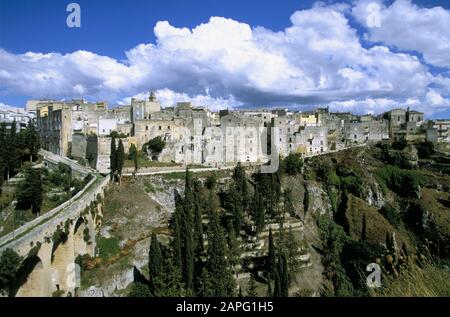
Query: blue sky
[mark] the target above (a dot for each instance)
(361, 80)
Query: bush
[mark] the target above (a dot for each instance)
(107, 247)
(211, 181)
(10, 263)
(425, 149)
(391, 214)
(156, 145)
(352, 184)
(117, 135)
(332, 179)
(139, 290)
(403, 182)
(399, 145)
(293, 164)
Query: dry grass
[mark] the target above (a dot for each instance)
(427, 280)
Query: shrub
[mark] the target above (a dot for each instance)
(391, 214)
(293, 164)
(425, 149)
(107, 247)
(211, 181)
(403, 182)
(139, 290)
(156, 145)
(352, 184)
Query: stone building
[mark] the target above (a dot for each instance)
(54, 124)
(443, 127)
(142, 109)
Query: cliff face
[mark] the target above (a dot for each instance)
(374, 200)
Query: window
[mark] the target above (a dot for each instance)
(398, 118)
(146, 128)
(355, 136)
(159, 127)
(168, 127)
(321, 142)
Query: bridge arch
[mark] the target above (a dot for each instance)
(62, 260)
(31, 278)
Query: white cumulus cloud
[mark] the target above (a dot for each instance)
(318, 59)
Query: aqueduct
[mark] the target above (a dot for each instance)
(50, 243)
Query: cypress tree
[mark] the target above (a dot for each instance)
(188, 268)
(177, 239)
(236, 209)
(113, 157)
(288, 204)
(11, 158)
(404, 249)
(233, 246)
(284, 276)
(364, 230)
(32, 141)
(252, 286)
(120, 157)
(218, 266)
(198, 224)
(187, 240)
(155, 261)
(277, 287)
(271, 257)
(133, 155)
(388, 242)
(29, 191)
(168, 283)
(258, 210)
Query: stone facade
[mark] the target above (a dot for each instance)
(195, 135)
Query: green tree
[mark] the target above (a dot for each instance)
(258, 210)
(236, 208)
(176, 224)
(155, 261)
(11, 157)
(218, 266)
(156, 145)
(120, 157)
(252, 287)
(364, 228)
(10, 263)
(234, 247)
(168, 283)
(139, 290)
(133, 155)
(284, 274)
(293, 164)
(29, 191)
(271, 259)
(277, 286)
(288, 204)
(211, 181)
(389, 242)
(31, 141)
(113, 157)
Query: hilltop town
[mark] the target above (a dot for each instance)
(196, 135)
(348, 189)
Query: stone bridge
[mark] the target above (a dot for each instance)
(50, 243)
